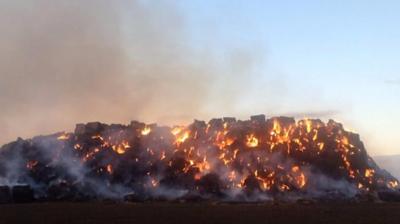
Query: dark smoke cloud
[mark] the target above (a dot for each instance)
(63, 62)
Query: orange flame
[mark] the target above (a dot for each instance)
(63, 137)
(252, 141)
(146, 131)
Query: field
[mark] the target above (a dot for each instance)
(110, 213)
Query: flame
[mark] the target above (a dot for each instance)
(321, 146)
(232, 176)
(109, 169)
(284, 187)
(299, 176)
(146, 131)
(77, 146)
(154, 183)
(203, 166)
(301, 180)
(369, 173)
(220, 147)
(229, 141)
(31, 164)
(276, 129)
(345, 141)
(252, 141)
(176, 130)
(63, 137)
(308, 125)
(121, 148)
(393, 184)
(182, 138)
(163, 155)
(197, 176)
(295, 169)
(99, 137)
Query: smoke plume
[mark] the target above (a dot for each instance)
(63, 62)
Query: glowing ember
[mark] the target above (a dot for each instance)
(146, 131)
(211, 158)
(63, 137)
(109, 169)
(176, 130)
(31, 164)
(369, 172)
(121, 148)
(251, 141)
(393, 184)
(182, 138)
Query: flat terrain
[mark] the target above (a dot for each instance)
(103, 212)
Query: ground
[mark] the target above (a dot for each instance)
(145, 213)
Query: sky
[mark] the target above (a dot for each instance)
(65, 62)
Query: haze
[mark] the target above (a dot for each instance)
(65, 62)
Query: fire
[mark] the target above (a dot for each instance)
(295, 169)
(284, 155)
(393, 184)
(146, 131)
(182, 138)
(369, 173)
(321, 146)
(276, 130)
(301, 180)
(176, 130)
(284, 187)
(345, 141)
(31, 164)
(99, 137)
(252, 141)
(203, 166)
(197, 176)
(232, 176)
(229, 141)
(109, 169)
(77, 146)
(299, 176)
(154, 183)
(163, 155)
(121, 148)
(63, 137)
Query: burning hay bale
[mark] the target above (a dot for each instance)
(223, 159)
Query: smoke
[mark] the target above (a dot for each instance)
(218, 160)
(63, 62)
(314, 114)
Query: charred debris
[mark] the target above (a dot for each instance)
(221, 160)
